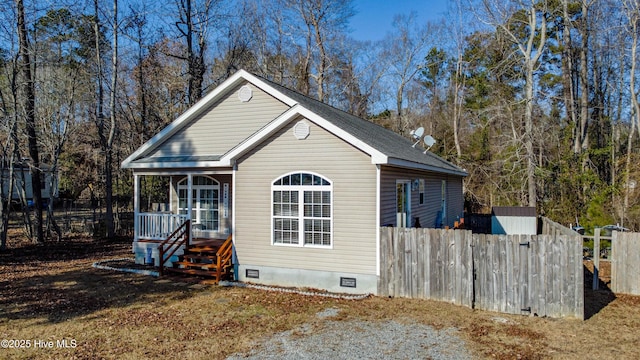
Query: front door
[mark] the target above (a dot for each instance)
(205, 213)
(205, 208)
(403, 203)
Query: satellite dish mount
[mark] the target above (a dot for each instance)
(429, 142)
(417, 135)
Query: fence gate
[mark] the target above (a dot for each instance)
(625, 263)
(501, 273)
(529, 274)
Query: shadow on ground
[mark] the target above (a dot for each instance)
(55, 281)
(595, 300)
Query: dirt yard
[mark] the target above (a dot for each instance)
(54, 305)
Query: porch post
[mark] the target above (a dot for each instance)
(136, 207)
(171, 195)
(189, 203)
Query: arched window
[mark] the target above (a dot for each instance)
(205, 212)
(302, 213)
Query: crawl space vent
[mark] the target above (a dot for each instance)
(301, 130)
(245, 93)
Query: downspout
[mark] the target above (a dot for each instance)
(378, 172)
(234, 259)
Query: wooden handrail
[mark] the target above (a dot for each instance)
(177, 238)
(224, 255)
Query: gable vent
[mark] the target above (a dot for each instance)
(245, 93)
(301, 130)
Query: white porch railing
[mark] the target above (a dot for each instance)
(157, 226)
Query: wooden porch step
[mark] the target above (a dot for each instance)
(203, 249)
(203, 241)
(188, 264)
(197, 272)
(199, 257)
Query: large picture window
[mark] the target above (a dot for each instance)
(205, 212)
(302, 212)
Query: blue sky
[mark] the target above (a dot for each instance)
(373, 17)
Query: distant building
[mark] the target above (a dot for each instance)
(22, 175)
(514, 220)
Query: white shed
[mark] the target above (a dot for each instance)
(514, 220)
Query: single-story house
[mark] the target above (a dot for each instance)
(302, 187)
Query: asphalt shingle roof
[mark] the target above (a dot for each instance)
(384, 140)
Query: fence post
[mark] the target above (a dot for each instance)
(596, 259)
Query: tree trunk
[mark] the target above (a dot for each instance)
(636, 107)
(322, 65)
(108, 148)
(195, 60)
(528, 138)
(30, 120)
(584, 81)
(457, 105)
(567, 76)
(400, 114)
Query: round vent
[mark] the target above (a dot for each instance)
(301, 130)
(245, 93)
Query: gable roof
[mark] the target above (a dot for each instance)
(398, 149)
(384, 146)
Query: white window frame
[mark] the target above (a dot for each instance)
(196, 210)
(443, 208)
(406, 185)
(301, 189)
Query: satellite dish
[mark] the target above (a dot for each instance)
(417, 135)
(429, 141)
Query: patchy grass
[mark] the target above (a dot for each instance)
(51, 293)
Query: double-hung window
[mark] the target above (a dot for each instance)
(302, 212)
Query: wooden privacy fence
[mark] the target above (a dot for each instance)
(426, 264)
(625, 263)
(516, 274)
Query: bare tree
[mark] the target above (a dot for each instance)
(28, 94)
(323, 23)
(194, 21)
(632, 9)
(9, 147)
(582, 139)
(510, 16)
(459, 30)
(107, 130)
(405, 49)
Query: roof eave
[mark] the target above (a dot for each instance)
(415, 165)
(295, 111)
(175, 165)
(189, 114)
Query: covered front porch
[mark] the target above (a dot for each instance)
(204, 197)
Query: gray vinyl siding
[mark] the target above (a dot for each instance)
(354, 202)
(427, 212)
(223, 125)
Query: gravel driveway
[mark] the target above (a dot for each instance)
(331, 339)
